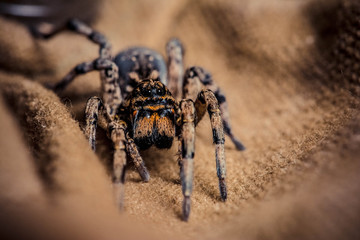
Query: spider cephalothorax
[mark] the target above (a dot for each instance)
(152, 114)
(145, 103)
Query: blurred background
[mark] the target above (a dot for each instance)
(290, 72)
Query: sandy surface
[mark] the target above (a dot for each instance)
(290, 71)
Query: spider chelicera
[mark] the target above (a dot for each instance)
(146, 102)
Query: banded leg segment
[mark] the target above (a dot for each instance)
(175, 54)
(117, 132)
(109, 70)
(110, 86)
(79, 69)
(95, 113)
(92, 110)
(98, 38)
(109, 76)
(195, 79)
(207, 100)
(104, 53)
(137, 159)
(187, 151)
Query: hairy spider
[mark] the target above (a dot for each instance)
(138, 110)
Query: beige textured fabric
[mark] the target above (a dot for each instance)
(290, 72)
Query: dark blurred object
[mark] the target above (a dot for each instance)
(46, 17)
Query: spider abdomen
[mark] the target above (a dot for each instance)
(138, 63)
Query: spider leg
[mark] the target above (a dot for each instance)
(81, 68)
(109, 74)
(109, 70)
(117, 133)
(207, 100)
(104, 113)
(92, 109)
(95, 115)
(137, 159)
(175, 53)
(98, 38)
(187, 151)
(193, 76)
(116, 130)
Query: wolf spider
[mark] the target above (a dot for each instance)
(138, 110)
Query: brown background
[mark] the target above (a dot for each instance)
(290, 71)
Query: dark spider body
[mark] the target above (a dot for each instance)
(152, 115)
(146, 102)
(138, 63)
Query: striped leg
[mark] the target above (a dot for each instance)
(175, 53)
(110, 86)
(117, 132)
(98, 38)
(93, 107)
(187, 151)
(81, 68)
(109, 74)
(96, 115)
(104, 53)
(195, 79)
(207, 101)
(137, 159)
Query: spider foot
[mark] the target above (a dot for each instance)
(186, 208)
(119, 195)
(239, 146)
(145, 176)
(223, 191)
(49, 86)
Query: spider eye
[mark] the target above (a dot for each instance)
(160, 91)
(146, 92)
